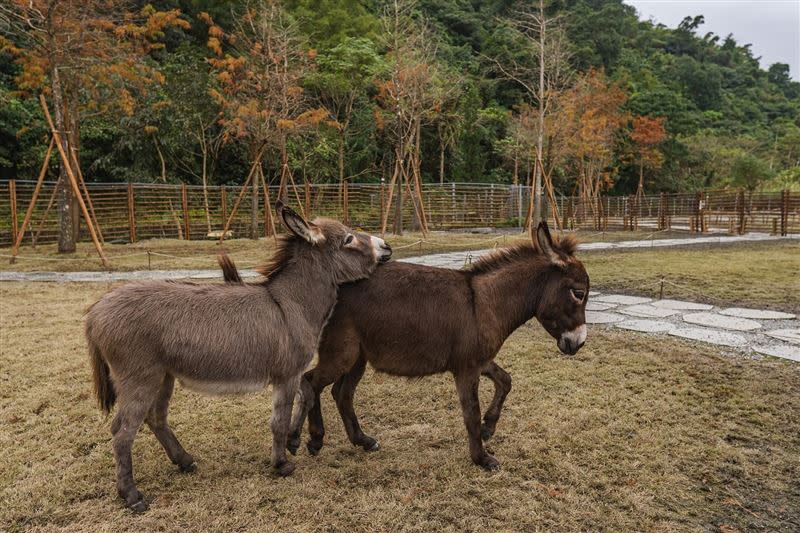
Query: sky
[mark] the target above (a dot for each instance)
(771, 26)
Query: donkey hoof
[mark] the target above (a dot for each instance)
(284, 469)
(314, 447)
(188, 469)
(139, 507)
(370, 445)
(489, 463)
(486, 432)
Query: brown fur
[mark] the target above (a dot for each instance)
(413, 320)
(219, 338)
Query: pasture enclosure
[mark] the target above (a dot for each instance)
(127, 212)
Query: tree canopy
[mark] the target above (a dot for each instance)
(192, 91)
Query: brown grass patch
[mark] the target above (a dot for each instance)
(636, 433)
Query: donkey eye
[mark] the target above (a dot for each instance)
(578, 294)
(348, 239)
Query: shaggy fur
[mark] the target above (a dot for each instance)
(219, 339)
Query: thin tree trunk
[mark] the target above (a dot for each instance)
(204, 148)
(537, 185)
(163, 177)
(441, 161)
(66, 225)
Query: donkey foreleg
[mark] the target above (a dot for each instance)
(282, 402)
(343, 392)
(502, 386)
(467, 385)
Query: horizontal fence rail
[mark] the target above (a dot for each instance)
(130, 212)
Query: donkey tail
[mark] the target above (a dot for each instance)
(103, 386)
(229, 271)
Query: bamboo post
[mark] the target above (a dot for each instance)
(185, 204)
(131, 213)
(29, 213)
(740, 211)
(240, 197)
(73, 181)
(254, 207)
(307, 191)
(82, 183)
(223, 200)
(269, 222)
(46, 211)
(12, 192)
(785, 213)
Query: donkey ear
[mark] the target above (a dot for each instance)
(297, 225)
(544, 242)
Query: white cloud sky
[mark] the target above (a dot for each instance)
(772, 27)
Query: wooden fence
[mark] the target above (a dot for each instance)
(131, 212)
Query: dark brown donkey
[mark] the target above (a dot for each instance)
(413, 320)
(221, 339)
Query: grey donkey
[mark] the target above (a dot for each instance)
(220, 339)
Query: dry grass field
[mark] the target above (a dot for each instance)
(635, 433)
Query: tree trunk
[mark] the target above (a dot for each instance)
(441, 162)
(66, 205)
(537, 184)
(204, 148)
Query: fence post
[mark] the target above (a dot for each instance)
(345, 203)
(223, 200)
(185, 202)
(740, 210)
(307, 190)
(785, 212)
(12, 191)
(383, 194)
(254, 207)
(131, 213)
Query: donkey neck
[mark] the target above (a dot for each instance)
(308, 286)
(507, 296)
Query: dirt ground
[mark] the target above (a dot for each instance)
(635, 433)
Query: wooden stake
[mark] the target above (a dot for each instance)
(46, 211)
(269, 222)
(223, 200)
(12, 192)
(131, 213)
(86, 192)
(185, 204)
(73, 182)
(34, 197)
(256, 162)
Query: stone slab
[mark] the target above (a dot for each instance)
(756, 314)
(648, 311)
(598, 306)
(789, 335)
(711, 336)
(784, 351)
(681, 305)
(622, 299)
(599, 317)
(594, 293)
(646, 326)
(713, 320)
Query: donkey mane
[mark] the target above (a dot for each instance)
(565, 246)
(281, 258)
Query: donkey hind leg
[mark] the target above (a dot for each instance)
(467, 385)
(134, 403)
(157, 420)
(307, 401)
(343, 391)
(282, 402)
(502, 386)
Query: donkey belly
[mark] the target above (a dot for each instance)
(220, 387)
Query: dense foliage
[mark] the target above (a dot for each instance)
(677, 108)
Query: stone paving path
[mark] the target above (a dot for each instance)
(760, 331)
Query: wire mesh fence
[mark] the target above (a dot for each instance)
(131, 212)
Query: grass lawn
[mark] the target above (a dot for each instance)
(636, 433)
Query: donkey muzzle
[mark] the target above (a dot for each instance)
(382, 249)
(572, 341)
